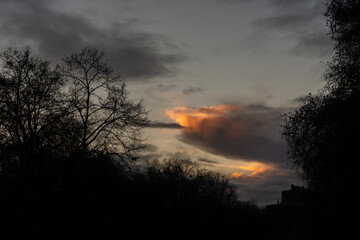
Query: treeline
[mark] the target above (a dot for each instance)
(101, 198)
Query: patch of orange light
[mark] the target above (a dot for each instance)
(190, 118)
(251, 170)
(236, 175)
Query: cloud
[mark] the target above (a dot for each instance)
(313, 44)
(191, 90)
(264, 184)
(288, 4)
(265, 190)
(164, 125)
(137, 55)
(161, 87)
(284, 21)
(292, 4)
(302, 22)
(251, 171)
(235, 1)
(176, 89)
(207, 161)
(248, 133)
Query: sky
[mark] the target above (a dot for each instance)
(215, 75)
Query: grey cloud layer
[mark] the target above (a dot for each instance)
(300, 20)
(137, 55)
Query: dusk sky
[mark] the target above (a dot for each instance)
(215, 74)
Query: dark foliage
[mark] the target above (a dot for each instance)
(101, 198)
(322, 133)
(33, 115)
(200, 198)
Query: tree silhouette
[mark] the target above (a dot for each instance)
(78, 109)
(343, 71)
(110, 121)
(322, 133)
(34, 118)
(181, 194)
(187, 182)
(60, 129)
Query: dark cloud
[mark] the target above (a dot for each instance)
(162, 87)
(136, 55)
(289, 4)
(207, 161)
(164, 125)
(168, 87)
(284, 21)
(236, 1)
(191, 90)
(248, 133)
(301, 21)
(309, 40)
(295, 17)
(313, 44)
(296, 4)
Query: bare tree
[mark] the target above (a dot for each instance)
(31, 107)
(110, 121)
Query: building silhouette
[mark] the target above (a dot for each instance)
(296, 196)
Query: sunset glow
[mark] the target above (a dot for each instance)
(252, 170)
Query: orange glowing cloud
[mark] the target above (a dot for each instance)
(234, 131)
(191, 118)
(252, 170)
(236, 175)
